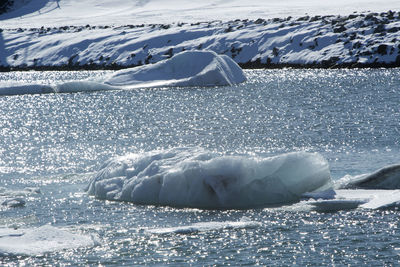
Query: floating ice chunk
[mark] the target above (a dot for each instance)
(326, 194)
(35, 190)
(193, 177)
(67, 87)
(40, 240)
(188, 68)
(386, 199)
(82, 86)
(205, 226)
(385, 178)
(14, 202)
(25, 89)
(336, 204)
(346, 199)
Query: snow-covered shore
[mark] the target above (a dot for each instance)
(356, 40)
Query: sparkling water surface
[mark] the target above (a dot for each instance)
(56, 142)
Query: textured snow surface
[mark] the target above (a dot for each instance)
(36, 241)
(352, 40)
(189, 68)
(106, 12)
(193, 177)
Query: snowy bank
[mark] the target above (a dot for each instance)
(189, 68)
(193, 177)
(356, 40)
(51, 13)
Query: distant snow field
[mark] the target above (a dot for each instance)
(119, 12)
(72, 34)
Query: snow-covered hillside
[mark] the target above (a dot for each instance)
(55, 13)
(72, 34)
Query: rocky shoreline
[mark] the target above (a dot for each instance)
(359, 40)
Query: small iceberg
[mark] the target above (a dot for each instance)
(376, 190)
(385, 178)
(14, 202)
(188, 68)
(193, 177)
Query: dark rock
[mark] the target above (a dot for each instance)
(148, 58)
(305, 18)
(330, 62)
(170, 52)
(366, 53)
(382, 49)
(275, 51)
(259, 21)
(357, 45)
(229, 29)
(380, 28)
(339, 29)
(72, 59)
(315, 18)
(165, 27)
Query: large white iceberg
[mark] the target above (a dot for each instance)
(188, 68)
(193, 177)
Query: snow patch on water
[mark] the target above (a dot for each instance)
(36, 241)
(193, 177)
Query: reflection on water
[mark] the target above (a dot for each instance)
(56, 141)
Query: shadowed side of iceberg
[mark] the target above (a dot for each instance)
(188, 68)
(193, 177)
(385, 178)
(26, 89)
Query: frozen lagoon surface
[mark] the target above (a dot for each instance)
(52, 145)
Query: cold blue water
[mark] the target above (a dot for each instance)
(52, 144)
